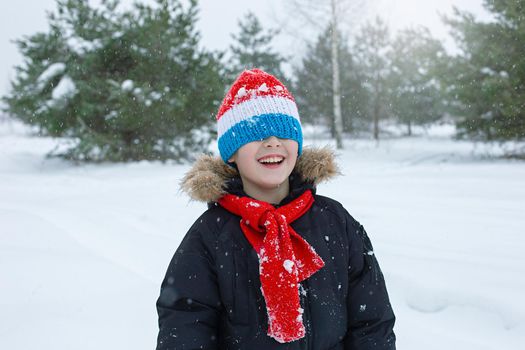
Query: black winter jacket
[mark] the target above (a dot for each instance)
(211, 296)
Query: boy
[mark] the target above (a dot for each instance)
(270, 264)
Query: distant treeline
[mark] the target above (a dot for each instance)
(137, 84)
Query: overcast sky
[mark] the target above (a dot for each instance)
(218, 19)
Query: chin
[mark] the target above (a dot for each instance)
(269, 184)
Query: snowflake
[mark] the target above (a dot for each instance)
(241, 93)
(288, 265)
(263, 88)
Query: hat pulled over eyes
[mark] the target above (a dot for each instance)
(256, 107)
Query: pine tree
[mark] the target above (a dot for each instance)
(313, 86)
(123, 85)
(371, 48)
(252, 48)
(414, 89)
(487, 79)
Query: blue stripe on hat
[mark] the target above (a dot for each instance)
(259, 128)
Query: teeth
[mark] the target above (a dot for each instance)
(271, 160)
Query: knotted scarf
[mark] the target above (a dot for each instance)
(285, 258)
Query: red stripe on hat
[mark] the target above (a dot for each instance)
(250, 84)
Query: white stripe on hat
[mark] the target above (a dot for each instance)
(255, 106)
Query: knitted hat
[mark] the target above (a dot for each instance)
(256, 107)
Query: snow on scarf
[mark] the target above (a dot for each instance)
(285, 258)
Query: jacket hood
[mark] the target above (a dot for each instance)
(207, 180)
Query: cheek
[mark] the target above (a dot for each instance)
(245, 164)
(245, 158)
(293, 161)
(293, 148)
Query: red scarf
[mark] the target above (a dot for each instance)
(285, 258)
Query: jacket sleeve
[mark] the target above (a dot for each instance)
(188, 305)
(370, 315)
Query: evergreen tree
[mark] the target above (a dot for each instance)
(313, 86)
(124, 85)
(414, 89)
(371, 48)
(252, 49)
(488, 78)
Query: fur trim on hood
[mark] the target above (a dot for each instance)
(207, 179)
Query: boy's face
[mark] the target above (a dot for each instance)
(256, 162)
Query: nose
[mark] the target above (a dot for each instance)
(272, 141)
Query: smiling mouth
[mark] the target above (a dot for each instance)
(272, 160)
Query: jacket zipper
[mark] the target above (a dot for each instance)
(307, 320)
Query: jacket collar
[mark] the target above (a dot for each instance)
(210, 178)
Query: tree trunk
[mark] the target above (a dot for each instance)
(336, 84)
(376, 120)
(377, 108)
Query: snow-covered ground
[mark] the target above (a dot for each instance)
(83, 249)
